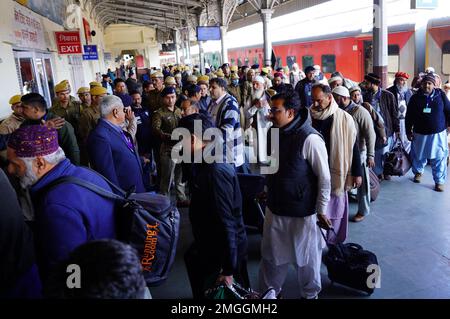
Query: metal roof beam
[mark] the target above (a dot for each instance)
(145, 17)
(148, 22)
(165, 7)
(156, 14)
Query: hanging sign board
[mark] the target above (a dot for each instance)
(424, 4)
(68, 42)
(90, 52)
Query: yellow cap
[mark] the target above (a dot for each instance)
(220, 74)
(157, 75)
(83, 90)
(94, 84)
(203, 79)
(15, 99)
(62, 86)
(170, 81)
(265, 70)
(234, 68)
(98, 90)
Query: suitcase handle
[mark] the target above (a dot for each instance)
(338, 247)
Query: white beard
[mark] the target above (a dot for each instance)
(257, 95)
(30, 177)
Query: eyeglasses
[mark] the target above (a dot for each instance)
(274, 110)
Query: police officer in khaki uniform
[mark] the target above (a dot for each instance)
(84, 94)
(234, 88)
(65, 107)
(164, 121)
(154, 96)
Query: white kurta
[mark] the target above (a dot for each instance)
(263, 124)
(294, 240)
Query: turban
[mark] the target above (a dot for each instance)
(34, 140)
(278, 75)
(402, 75)
(355, 88)
(265, 70)
(334, 79)
(255, 66)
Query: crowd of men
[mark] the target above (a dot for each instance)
(331, 132)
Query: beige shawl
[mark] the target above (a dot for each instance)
(342, 140)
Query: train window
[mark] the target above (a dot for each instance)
(307, 60)
(232, 61)
(239, 62)
(446, 58)
(255, 60)
(290, 60)
(246, 61)
(393, 58)
(328, 63)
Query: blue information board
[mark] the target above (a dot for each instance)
(90, 52)
(208, 33)
(424, 4)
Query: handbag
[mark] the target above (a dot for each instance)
(237, 292)
(147, 222)
(397, 162)
(374, 185)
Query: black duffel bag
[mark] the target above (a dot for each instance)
(397, 162)
(352, 266)
(148, 222)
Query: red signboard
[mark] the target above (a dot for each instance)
(68, 42)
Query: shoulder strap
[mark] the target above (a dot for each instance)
(90, 186)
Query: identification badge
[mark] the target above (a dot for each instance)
(427, 110)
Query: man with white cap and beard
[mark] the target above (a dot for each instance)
(402, 95)
(256, 110)
(366, 139)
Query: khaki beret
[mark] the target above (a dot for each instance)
(98, 90)
(203, 79)
(192, 78)
(220, 74)
(94, 84)
(234, 68)
(170, 81)
(157, 75)
(15, 99)
(62, 86)
(83, 90)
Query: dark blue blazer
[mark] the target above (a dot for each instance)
(110, 156)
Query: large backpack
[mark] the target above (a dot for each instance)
(147, 222)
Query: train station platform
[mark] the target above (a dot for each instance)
(408, 230)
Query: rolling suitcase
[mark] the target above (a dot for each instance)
(352, 266)
(252, 210)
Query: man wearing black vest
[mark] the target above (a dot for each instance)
(297, 198)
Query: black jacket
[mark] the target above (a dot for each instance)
(292, 191)
(305, 98)
(216, 216)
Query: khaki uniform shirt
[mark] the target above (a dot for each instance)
(155, 100)
(10, 124)
(88, 121)
(236, 92)
(164, 122)
(71, 113)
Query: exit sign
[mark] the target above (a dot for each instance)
(68, 42)
(424, 4)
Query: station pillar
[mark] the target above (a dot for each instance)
(266, 15)
(380, 41)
